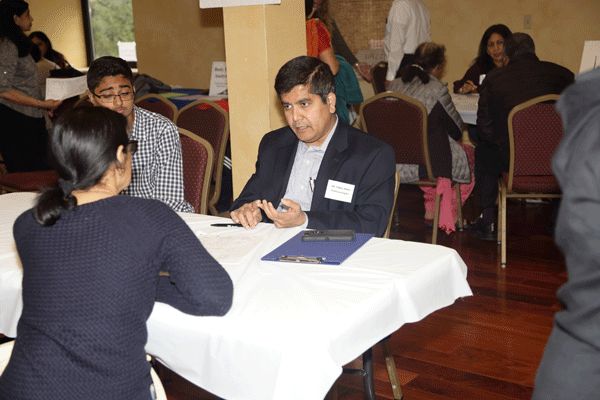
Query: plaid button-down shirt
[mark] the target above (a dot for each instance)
(156, 167)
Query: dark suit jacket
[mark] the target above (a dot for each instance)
(353, 157)
(523, 79)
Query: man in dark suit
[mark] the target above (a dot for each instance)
(318, 172)
(523, 78)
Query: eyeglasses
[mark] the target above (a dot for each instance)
(132, 146)
(110, 98)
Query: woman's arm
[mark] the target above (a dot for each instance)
(328, 57)
(17, 97)
(197, 284)
(8, 65)
(469, 82)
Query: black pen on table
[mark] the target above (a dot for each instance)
(228, 225)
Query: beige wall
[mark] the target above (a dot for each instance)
(559, 26)
(62, 21)
(189, 39)
(177, 41)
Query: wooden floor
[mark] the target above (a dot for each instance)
(487, 346)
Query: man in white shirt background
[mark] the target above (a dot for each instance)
(408, 25)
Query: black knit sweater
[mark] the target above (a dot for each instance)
(89, 285)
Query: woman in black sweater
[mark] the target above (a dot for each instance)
(91, 262)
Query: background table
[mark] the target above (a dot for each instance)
(288, 321)
(181, 97)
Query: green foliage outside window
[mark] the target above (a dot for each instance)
(112, 22)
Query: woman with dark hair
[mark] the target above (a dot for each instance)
(340, 47)
(43, 43)
(318, 39)
(489, 56)
(450, 161)
(23, 135)
(94, 263)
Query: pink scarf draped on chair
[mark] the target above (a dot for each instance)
(448, 210)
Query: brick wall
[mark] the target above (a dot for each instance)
(360, 20)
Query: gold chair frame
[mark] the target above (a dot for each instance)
(506, 188)
(219, 153)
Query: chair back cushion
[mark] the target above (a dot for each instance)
(206, 122)
(197, 161)
(156, 105)
(29, 181)
(537, 132)
(398, 123)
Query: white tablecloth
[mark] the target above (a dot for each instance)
(291, 326)
(466, 105)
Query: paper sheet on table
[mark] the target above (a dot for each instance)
(230, 249)
(63, 88)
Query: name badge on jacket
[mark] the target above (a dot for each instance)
(339, 191)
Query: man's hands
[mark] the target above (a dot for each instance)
(248, 215)
(468, 87)
(294, 216)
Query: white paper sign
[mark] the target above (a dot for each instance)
(339, 191)
(591, 56)
(232, 3)
(63, 88)
(218, 79)
(127, 51)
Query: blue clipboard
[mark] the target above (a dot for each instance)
(334, 253)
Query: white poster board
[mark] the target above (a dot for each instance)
(233, 3)
(63, 88)
(591, 56)
(218, 79)
(127, 51)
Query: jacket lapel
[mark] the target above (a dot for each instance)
(284, 160)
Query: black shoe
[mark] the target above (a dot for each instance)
(483, 231)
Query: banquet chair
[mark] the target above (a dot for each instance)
(157, 104)
(367, 358)
(6, 351)
(534, 131)
(401, 121)
(83, 101)
(378, 73)
(209, 121)
(65, 106)
(197, 155)
(33, 181)
(158, 386)
(390, 219)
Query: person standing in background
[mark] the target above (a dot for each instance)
(408, 25)
(340, 47)
(43, 43)
(23, 136)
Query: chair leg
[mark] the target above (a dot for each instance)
(368, 375)
(392, 371)
(436, 219)
(459, 207)
(503, 224)
(499, 202)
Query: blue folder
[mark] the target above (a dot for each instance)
(295, 250)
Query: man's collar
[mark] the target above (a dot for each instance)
(523, 56)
